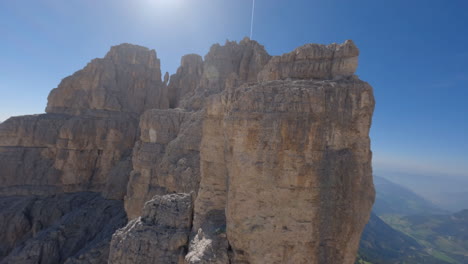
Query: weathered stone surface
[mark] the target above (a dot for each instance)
(210, 244)
(209, 247)
(227, 66)
(32, 130)
(274, 151)
(298, 169)
(50, 153)
(313, 61)
(97, 253)
(127, 79)
(166, 158)
(186, 80)
(57, 229)
(85, 141)
(160, 235)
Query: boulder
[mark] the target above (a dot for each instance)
(160, 235)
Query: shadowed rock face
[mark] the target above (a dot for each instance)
(67, 228)
(243, 157)
(166, 158)
(160, 235)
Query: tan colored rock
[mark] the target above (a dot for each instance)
(245, 60)
(313, 61)
(50, 153)
(166, 158)
(210, 244)
(274, 151)
(227, 66)
(297, 170)
(158, 236)
(186, 80)
(32, 130)
(27, 154)
(85, 141)
(127, 79)
(88, 148)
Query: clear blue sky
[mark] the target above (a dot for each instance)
(414, 54)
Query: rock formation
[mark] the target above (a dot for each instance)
(166, 158)
(67, 228)
(90, 128)
(313, 61)
(160, 235)
(239, 157)
(127, 79)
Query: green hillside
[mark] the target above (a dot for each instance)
(444, 236)
(407, 229)
(381, 244)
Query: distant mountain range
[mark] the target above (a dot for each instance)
(392, 198)
(447, 192)
(408, 229)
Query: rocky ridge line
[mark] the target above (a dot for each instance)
(273, 153)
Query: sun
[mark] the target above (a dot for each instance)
(166, 4)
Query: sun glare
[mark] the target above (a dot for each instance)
(166, 4)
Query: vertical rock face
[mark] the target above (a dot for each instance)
(187, 78)
(298, 170)
(274, 152)
(286, 165)
(166, 158)
(171, 163)
(52, 153)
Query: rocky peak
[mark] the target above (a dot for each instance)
(186, 80)
(241, 61)
(127, 79)
(225, 66)
(263, 160)
(313, 61)
(133, 54)
(191, 63)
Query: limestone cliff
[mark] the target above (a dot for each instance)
(239, 157)
(127, 79)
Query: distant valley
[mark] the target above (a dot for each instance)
(392, 198)
(447, 192)
(407, 228)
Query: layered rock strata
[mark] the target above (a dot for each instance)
(243, 157)
(83, 143)
(85, 140)
(296, 165)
